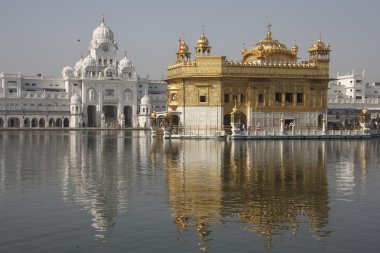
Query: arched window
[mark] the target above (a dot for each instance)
(91, 94)
(173, 97)
(128, 95)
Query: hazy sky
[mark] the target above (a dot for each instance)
(41, 36)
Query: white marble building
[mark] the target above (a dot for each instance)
(99, 86)
(348, 94)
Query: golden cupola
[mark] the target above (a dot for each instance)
(319, 50)
(203, 47)
(269, 49)
(183, 53)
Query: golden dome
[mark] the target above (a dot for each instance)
(183, 53)
(183, 48)
(202, 41)
(153, 115)
(365, 111)
(319, 45)
(269, 48)
(203, 46)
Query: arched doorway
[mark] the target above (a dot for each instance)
(58, 122)
(51, 122)
(91, 116)
(320, 120)
(34, 122)
(227, 120)
(175, 120)
(66, 122)
(41, 122)
(13, 122)
(128, 116)
(26, 122)
(110, 112)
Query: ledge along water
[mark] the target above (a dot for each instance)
(244, 135)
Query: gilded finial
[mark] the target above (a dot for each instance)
(269, 33)
(319, 36)
(203, 29)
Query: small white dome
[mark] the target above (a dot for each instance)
(88, 61)
(145, 100)
(102, 33)
(67, 71)
(76, 99)
(125, 63)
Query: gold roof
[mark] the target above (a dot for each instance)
(319, 45)
(203, 42)
(269, 48)
(183, 48)
(365, 111)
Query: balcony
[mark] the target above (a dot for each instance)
(45, 95)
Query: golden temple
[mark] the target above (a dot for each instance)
(267, 84)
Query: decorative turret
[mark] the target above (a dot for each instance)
(203, 48)
(183, 53)
(76, 111)
(319, 51)
(145, 111)
(365, 120)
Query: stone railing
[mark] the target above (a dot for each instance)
(45, 95)
(353, 101)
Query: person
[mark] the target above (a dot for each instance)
(258, 126)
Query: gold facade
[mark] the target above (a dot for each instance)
(268, 79)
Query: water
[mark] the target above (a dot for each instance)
(116, 191)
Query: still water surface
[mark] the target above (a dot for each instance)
(116, 191)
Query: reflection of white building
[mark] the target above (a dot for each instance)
(98, 83)
(348, 95)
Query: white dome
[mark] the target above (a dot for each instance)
(125, 62)
(145, 100)
(102, 33)
(88, 61)
(76, 99)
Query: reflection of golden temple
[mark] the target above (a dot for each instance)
(196, 203)
(267, 184)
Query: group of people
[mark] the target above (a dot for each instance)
(289, 126)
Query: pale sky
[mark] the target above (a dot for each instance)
(41, 36)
